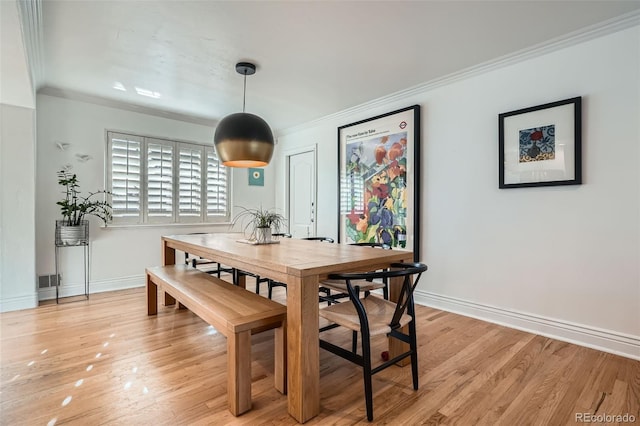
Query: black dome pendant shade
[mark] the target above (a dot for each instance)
(243, 139)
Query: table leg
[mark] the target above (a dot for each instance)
(303, 355)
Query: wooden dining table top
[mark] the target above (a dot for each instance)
(288, 256)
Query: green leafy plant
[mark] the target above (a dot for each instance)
(74, 207)
(252, 219)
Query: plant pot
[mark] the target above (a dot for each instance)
(263, 235)
(67, 235)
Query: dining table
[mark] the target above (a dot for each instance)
(301, 264)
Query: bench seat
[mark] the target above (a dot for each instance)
(234, 312)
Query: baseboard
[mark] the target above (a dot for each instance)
(18, 303)
(99, 286)
(603, 340)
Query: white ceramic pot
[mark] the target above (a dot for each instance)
(263, 235)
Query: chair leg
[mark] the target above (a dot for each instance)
(270, 285)
(258, 286)
(354, 342)
(366, 372)
(413, 345)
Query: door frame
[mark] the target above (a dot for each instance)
(287, 158)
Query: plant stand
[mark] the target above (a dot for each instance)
(80, 237)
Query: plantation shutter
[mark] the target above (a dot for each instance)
(154, 181)
(159, 178)
(190, 181)
(126, 176)
(217, 185)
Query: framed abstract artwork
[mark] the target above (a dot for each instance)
(379, 180)
(256, 176)
(541, 145)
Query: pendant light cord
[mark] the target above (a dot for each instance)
(244, 93)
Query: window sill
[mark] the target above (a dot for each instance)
(164, 225)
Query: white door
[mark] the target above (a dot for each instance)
(302, 194)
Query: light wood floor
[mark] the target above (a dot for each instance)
(103, 361)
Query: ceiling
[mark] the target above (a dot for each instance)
(314, 58)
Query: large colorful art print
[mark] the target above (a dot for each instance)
(379, 180)
(541, 145)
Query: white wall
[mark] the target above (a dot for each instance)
(17, 206)
(118, 255)
(561, 261)
(17, 167)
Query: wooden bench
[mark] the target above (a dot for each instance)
(234, 312)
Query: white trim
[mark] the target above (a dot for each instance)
(99, 286)
(30, 12)
(112, 103)
(18, 303)
(601, 29)
(584, 335)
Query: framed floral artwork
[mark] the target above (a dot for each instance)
(541, 145)
(379, 180)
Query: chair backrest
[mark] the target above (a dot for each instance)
(323, 239)
(378, 245)
(282, 234)
(186, 255)
(405, 299)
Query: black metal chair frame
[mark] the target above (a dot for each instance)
(335, 298)
(322, 239)
(404, 305)
(270, 283)
(219, 268)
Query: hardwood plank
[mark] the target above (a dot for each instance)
(171, 369)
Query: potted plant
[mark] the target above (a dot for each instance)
(259, 223)
(73, 229)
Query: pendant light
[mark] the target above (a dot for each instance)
(243, 139)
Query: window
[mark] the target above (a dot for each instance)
(162, 181)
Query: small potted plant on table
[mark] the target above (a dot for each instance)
(259, 223)
(73, 229)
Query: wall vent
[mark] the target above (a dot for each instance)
(46, 281)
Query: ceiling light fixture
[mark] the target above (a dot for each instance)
(148, 93)
(243, 139)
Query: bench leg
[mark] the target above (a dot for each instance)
(152, 297)
(239, 372)
(169, 299)
(280, 358)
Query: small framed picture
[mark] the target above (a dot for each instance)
(256, 176)
(541, 145)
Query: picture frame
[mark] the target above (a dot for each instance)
(541, 145)
(256, 176)
(379, 180)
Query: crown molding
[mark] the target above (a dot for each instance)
(32, 35)
(111, 103)
(591, 32)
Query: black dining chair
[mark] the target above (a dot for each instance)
(326, 286)
(321, 239)
(372, 316)
(196, 261)
(270, 283)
